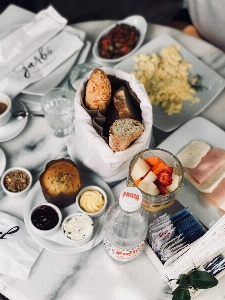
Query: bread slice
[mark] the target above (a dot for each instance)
(123, 132)
(124, 104)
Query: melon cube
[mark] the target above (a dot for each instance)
(150, 177)
(174, 183)
(140, 169)
(148, 187)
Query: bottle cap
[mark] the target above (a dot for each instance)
(130, 199)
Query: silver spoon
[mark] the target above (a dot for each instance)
(22, 114)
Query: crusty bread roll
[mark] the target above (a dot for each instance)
(98, 91)
(123, 132)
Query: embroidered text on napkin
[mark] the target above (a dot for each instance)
(18, 251)
(22, 42)
(41, 63)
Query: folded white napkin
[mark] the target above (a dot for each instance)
(42, 62)
(22, 42)
(18, 251)
(34, 50)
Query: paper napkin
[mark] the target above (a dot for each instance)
(22, 42)
(18, 251)
(42, 62)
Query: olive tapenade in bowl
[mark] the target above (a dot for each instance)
(120, 40)
(16, 182)
(45, 219)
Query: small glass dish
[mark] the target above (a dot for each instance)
(78, 228)
(154, 203)
(77, 74)
(14, 180)
(45, 219)
(93, 200)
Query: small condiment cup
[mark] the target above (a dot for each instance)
(91, 188)
(47, 232)
(84, 239)
(16, 194)
(5, 114)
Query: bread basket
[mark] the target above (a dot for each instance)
(90, 151)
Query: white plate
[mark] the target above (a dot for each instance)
(213, 82)
(2, 162)
(14, 127)
(196, 129)
(55, 77)
(136, 21)
(35, 197)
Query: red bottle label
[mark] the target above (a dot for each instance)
(121, 254)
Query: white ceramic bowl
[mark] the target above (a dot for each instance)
(16, 194)
(47, 232)
(137, 21)
(91, 188)
(79, 228)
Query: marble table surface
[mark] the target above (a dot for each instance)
(91, 274)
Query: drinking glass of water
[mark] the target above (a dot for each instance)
(58, 108)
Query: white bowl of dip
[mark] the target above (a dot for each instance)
(91, 200)
(16, 182)
(78, 228)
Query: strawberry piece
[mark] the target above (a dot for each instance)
(162, 189)
(165, 177)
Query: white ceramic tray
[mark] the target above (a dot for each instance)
(197, 128)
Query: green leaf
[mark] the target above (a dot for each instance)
(181, 293)
(182, 280)
(201, 280)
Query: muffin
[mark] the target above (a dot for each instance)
(61, 182)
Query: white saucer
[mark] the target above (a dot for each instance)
(2, 162)
(14, 126)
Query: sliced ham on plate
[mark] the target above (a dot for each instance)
(211, 162)
(217, 197)
(211, 183)
(222, 212)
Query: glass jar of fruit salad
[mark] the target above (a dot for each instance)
(158, 174)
